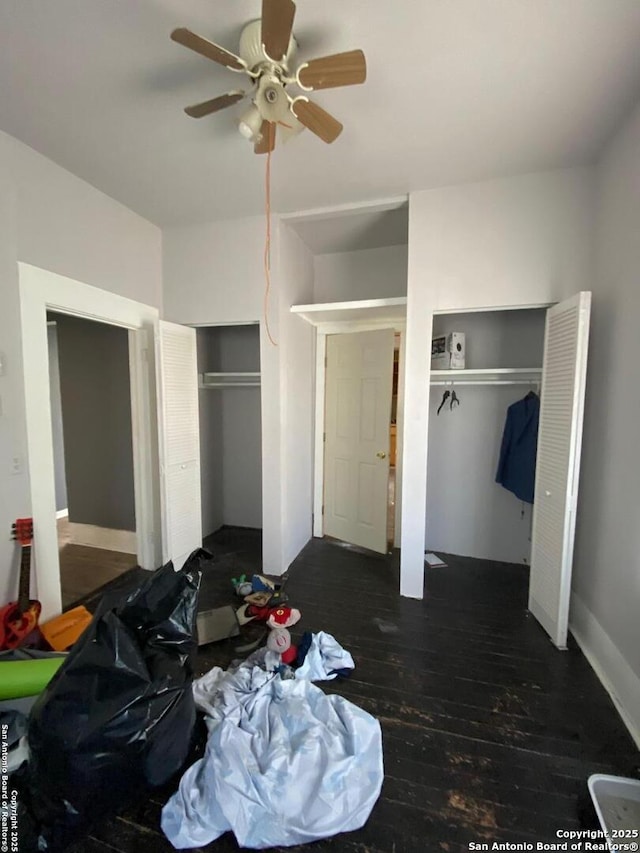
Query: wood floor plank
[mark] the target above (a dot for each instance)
(489, 732)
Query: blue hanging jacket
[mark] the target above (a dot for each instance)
(517, 465)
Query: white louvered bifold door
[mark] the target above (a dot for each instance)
(558, 464)
(179, 441)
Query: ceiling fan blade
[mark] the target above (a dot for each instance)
(268, 141)
(329, 72)
(208, 49)
(277, 23)
(214, 105)
(317, 120)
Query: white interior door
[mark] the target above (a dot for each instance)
(179, 441)
(359, 381)
(558, 463)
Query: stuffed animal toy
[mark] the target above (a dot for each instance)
(279, 641)
(242, 586)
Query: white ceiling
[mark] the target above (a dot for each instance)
(353, 231)
(457, 90)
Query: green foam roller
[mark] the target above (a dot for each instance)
(27, 677)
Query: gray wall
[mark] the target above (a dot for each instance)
(364, 274)
(468, 513)
(230, 431)
(56, 419)
(96, 412)
(606, 575)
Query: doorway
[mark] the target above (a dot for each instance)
(362, 403)
(42, 291)
(91, 419)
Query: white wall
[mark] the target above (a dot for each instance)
(67, 226)
(296, 344)
(515, 241)
(606, 578)
(52, 219)
(365, 274)
(214, 273)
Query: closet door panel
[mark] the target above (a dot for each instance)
(558, 463)
(359, 382)
(179, 441)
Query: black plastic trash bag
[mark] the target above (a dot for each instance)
(119, 715)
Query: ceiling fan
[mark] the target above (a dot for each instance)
(266, 54)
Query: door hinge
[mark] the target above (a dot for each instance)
(324, 436)
(326, 361)
(323, 509)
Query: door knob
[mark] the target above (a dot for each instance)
(547, 493)
(381, 454)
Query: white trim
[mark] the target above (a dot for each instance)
(318, 471)
(324, 329)
(40, 291)
(146, 461)
(62, 513)
(399, 441)
(608, 663)
(107, 538)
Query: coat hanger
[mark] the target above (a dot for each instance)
(445, 397)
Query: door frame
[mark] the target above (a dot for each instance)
(341, 328)
(41, 291)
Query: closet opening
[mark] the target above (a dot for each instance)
(496, 364)
(229, 401)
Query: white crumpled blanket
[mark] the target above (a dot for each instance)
(285, 764)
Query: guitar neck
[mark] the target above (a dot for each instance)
(25, 577)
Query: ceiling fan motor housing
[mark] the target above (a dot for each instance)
(251, 47)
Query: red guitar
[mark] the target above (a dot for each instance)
(19, 618)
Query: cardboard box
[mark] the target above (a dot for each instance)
(448, 352)
(456, 350)
(439, 354)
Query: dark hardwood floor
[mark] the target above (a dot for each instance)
(490, 733)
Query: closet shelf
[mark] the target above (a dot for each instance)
(488, 376)
(392, 308)
(229, 380)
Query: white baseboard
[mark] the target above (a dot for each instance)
(619, 680)
(102, 537)
(62, 513)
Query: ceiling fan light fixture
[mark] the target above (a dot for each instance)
(250, 123)
(266, 56)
